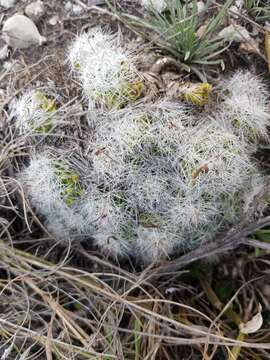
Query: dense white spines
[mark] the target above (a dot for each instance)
(34, 112)
(153, 244)
(214, 172)
(44, 190)
(68, 216)
(104, 69)
(181, 183)
(160, 180)
(109, 222)
(244, 106)
(125, 141)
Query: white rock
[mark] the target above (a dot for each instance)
(20, 32)
(53, 20)
(77, 9)
(35, 10)
(235, 33)
(68, 6)
(239, 3)
(201, 6)
(95, 2)
(7, 3)
(4, 52)
(235, 10)
(12, 66)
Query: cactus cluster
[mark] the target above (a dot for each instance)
(161, 179)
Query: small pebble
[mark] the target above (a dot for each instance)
(77, 9)
(95, 2)
(20, 32)
(7, 3)
(4, 52)
(68, 6)
(12, 65)
(236, 33)
(35, 10)
(235, 10)
(201, 6)
(53, 20)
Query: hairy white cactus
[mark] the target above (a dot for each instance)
(52, 190)
(159, 181)
(245, 106)
(153, 244)
(55, 193)
(194, 192)
(123, 142)
(109, 223)
(180, 182)
(35, 112)
(104, 69)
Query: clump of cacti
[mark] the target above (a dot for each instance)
(159, 180)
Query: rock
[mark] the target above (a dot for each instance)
(35, 10)
(53, 20)
(235, 10)
(249, 47)
(7, 3)
(20, 32)
(236, 33)
(68, 6)
(12, 65)
(200, 32)
(4, 52)
(95, 2)
(77, 10)
(201, 6)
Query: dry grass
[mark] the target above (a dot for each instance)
(58, 310)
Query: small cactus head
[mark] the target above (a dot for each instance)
(35, 112)
(105, 70)
(244, 107)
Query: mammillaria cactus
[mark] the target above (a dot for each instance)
(161, 178)
(105, 70)
(35, 111)
(245, 106)
(52, 189)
